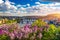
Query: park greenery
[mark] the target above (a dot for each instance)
(38, 30)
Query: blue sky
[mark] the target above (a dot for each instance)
(29, 6)
(24, 2)
(31, 2)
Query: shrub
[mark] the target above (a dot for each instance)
(42, 31)
(39, 23)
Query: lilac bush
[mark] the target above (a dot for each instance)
(28, 32)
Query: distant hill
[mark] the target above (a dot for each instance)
(51, 16)
(48, 17)
(55, 15)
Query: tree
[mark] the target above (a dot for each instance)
(39, 23)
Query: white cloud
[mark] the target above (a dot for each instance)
(18, 5)
(44, 8)
(12, 3)
(28, 5)
(1, 1)
(22, 8)
(37, 2)
(7, 6)
(39, 8)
